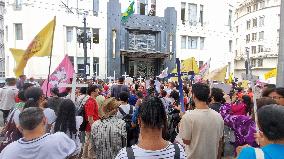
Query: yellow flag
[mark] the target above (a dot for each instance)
(40, 46)
(270, 74)
(231, 78)
(17, 54)
(218, 74)
(187, 65)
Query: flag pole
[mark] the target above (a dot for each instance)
(50, 58)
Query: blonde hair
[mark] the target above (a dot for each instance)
(110, 107)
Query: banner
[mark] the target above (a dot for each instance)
(164, 73)
(40, 46)
(270, 74)
(62, 75)
(205, 68)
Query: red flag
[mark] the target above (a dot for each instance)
(62, 75)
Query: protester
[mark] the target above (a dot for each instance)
(133, 97)
(33, 82)
(271, 129)
(152, 122)
(242, 106)
(100, 100)
(217, 99)
(54, 101)
(202, 129)
(124, 108)
(91, 114)
(278, 95)
(8, 95)
(151, 91)
(107, 146)
(165, 100)
(36, 144)
(21, 81)
(69, 123)
(120, 87)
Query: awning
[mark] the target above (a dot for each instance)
(141, 54)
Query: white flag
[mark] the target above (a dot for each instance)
(164, 73)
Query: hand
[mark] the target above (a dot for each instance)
(239, 149)
(259, 139)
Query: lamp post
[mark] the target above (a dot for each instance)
(280, 67)
(85, 44)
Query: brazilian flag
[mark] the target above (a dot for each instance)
(128, 13)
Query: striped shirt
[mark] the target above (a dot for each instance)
(139, 153)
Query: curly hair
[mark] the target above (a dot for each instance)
(66, 118)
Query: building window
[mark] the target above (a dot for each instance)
(192, 42)
(254, 22)
(260, 48)
(81, 66)
(202, 41)
(69, 34)
(7, 35)
(248, 24)
(96, 66)
(142, 8)
(113, 43)
(253, 37)
(261, 4)
(153, 8)
(230, 45)
(261, 21)
(230, 20)
(255, 7)
(71, 58)
(19, 31)
(18, 4)
(237, 41)
(261, 35)
(201, 15)
(183, 42)
(249, 9)
(96, 36)
(253, 63)
(237, 29)
(183, 11)
(248, 38)
(192, 14)
(96, 6)
(253, 49)
(260, 62)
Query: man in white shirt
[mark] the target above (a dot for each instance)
(125, 107)
(8, 95)
(36, 144)
(202, 129)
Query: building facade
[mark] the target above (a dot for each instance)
(2, 48)
(256, 27)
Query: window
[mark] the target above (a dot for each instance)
(255, 7)
(69, 34)
(253, 63)
(201, 15)
(153, 8)
(192, 14)
(202, 40)
(253, 49)
(260, 48)
(248, 38)
(96, 66)
(261, 4)
(253, 37)
(96, 36)
(183, 42)
(261, 21)
(183, 11)
(71, 58)
(19, 31)
(192, 42)
(254, 22)
(230, 20)
(7, 35)
(249, 9)
(237, 41)
(142, 9)
(248, 24)
(237, 29)
(230, 45)
(261, 35)
(18, 4)
(260, 62)
(113, 43)
(96, 6)
(81, 66)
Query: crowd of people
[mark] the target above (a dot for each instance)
(126, 121)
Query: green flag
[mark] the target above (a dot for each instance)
(128, 12)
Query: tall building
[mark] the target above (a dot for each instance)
(257, 26)
(2, 50)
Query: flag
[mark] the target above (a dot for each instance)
(61, 75)
(270, 74)
(128, 12)
(40, 46)
(17, 54)
(218, 74)
(204, 69)
(231, 78)
(164, 73)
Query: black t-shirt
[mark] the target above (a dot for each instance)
(215, 106)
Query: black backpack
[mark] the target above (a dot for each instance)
(127, 117)
(81, 112)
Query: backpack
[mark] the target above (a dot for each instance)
(130, 152)
(81, 112)
(127, 117)
(10, 133)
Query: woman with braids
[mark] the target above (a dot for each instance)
(68, 122)
(151, 144)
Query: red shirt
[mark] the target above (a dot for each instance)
(91, 109)
(239, 108)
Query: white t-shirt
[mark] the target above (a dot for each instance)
(48, 146)
(139, 153)
(7, 97)
(204, 129)
(49, 114)
(125, 108)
